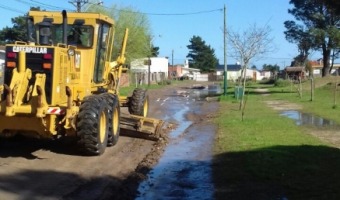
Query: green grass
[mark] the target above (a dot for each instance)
(266, 156)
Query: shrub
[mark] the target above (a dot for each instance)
(268, 81)
(281, 83)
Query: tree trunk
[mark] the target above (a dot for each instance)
(243, 87)
(326, 54)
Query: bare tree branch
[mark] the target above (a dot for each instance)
(253, 43)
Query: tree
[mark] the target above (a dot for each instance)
(154, 51)
(319, 30)
(201, 55)
(252, 43)
(335, 4)
(139, 43)
(296, 34)
(272, 68)
(17, 32)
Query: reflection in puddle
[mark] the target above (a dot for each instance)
(308, 119)
(184, 170)
(210, 91)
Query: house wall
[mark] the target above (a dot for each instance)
(201, 77)
(139, 70)
(318, 65)
(250, 74)
(158, 64)
(233, 75)
(318, 72)
(175, 71)
(185, 71)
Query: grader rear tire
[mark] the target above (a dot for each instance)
(113, 118)
(139, 103)
(92, 125)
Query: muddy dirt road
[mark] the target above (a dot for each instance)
(37, 169)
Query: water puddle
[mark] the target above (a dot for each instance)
(184, 171)
(323, 129)
(199, 93)
(307, 119)
(209, 91)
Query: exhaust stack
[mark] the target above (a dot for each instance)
(64, 13)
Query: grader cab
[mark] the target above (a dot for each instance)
(62, 82)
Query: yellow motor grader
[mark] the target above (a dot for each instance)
(62, 82)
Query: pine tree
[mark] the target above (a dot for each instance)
(201, 56)
(319, 29)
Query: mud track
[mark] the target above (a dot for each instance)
(43, 169)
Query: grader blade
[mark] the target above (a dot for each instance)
(141, 127)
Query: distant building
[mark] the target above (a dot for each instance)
(234, 72)
(318, 65)
(295, 73)
(183, 71)
(158, 69)
(158, 64)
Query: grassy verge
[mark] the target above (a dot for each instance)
(266, 156)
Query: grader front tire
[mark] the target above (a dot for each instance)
(139, 103)
(92, 125)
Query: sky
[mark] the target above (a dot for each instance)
(174, 22)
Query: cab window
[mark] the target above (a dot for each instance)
(81, 36)
(103, 33)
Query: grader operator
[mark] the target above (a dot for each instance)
(62, 82)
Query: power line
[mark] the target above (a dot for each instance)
(39, 4)
(80, 3)
(48, 5)
(182, 14)
(162, 14)
(12, 9)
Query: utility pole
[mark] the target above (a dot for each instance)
(78, 4)
(149, 70)
(225, 53)
(172, 63)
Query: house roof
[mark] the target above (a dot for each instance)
(294, 69)
(229, 67)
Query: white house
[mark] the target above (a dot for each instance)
(192, 73)
(158, 65)
(235, 71)
(318, 65)
(158, 69)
